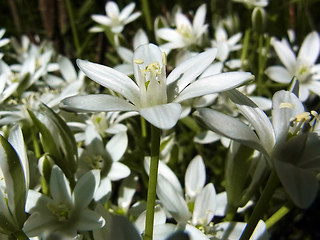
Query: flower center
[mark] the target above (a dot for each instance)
(185, 31)
(94, 162)
(152, 82)
(303, 71)
(304, 122)
(61, 210)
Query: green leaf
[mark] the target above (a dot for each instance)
(57, 140)
(15, 181)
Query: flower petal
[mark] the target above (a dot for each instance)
(118, 171)
(59, 186)
(204, 206)
(189, 70)
(286, 105)
(213, 84)
(285, 54)
(310, 48)
(96, 103)
(85, 189)
(162, 116)
(236, 130)
(117, 146)
(89, 220)
(112, 79)
(172, 201)
(278, 74)
(195, 177)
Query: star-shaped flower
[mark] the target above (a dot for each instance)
(154, 95)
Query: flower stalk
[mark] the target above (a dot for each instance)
(153, 175)
(262, 203)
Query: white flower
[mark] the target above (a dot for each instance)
(185, 34)
(303, 66)
(286, 141)
(65, 212)
(156, 97)
(115, 19)
(224, 44)
(253, 3)
(104, 158)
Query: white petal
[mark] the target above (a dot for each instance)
(103, 20)
(112, 9)
(258, 119)
(285, 54)
(166, 172)
(310, 48)
(236, 130)
(195, 234)
(140, 38)
(206, 137)
(125, 54)
(104, 189)
(132, 17)
(172, 201)
(162, 116)
(127, 191)
(117, 146)
(199, 17)
(67, 69)
(89, 220)
(96, 103)
(213, 84)
(118, 171)
(112, 79)
(278, 74)
(59, 186)
(170, 35)
(195, 177)
(126, 69)
(286, 105)
(126, 11)
(85, 189)
(190, 69)
(233, 230)
(204, 206)
(222, 203)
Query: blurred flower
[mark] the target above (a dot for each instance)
(155, 96)
(303, 66)
(253, 3)
(3, 41)
(185, 34)
(224, 44)
(65, 212)
(104, 158)
(115, 19)
(140, 38)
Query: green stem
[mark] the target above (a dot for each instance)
(245, 47)
(146, 13)
(73, 28)
(278, 215)
(153, 175)
(260, 65)
(262, 203)
(143, 127)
